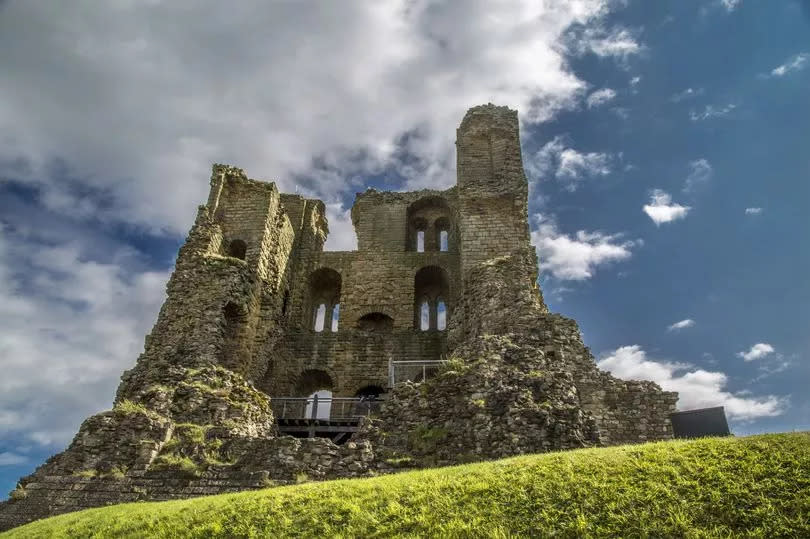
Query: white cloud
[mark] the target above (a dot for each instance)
(661, 209)
(600, 97)
(697, 388)
(796, 62)
(635, 80)
(689, 93)
(576, 258)
(73, 320)
(161, 91)
(730, 5)
(556, 160)
(758, 351)
(341, 230)
(712, 112)
(753, 211)
(618, 43)
(8, 458)
(700, 172)
(683, 324)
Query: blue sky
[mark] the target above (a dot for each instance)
(665, 144)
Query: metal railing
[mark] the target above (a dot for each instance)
(323, 408)
(414, 371)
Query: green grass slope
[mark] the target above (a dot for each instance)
(757, 486)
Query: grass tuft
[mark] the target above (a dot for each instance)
(127, 407)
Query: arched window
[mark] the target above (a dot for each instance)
(424, 315)
(426, 219)
(335, 317)
(370, 400)
(416, 234)
(369, 392)
(320, 317)
(441, 315)
(377, 322)
(324, 299)
(442, 227)
(430, 288)
(312, 382)
(237, 249)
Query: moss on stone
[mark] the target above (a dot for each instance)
(453, 365)
(128, 407)
(425, 439)
(18, 493)
(176, 463)
(301, 477)
(117, 472)
(400, 462)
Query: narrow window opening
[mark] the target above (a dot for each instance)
(237, 249)
(441, 316)
(372, 392)
(324, 300)
(320, 317)
(443, 245)
(377, 322)
(424, 316)
(312, 383)
(430, 290)
(324, 409)
(420, 241)
(285, 301)
(335, 316)
(233, 318)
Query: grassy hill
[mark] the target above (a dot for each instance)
(756, 486)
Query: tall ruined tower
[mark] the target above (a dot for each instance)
(430, 344)
(493, 219)
(492, 187)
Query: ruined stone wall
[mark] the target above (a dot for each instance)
(519, 379)
(353, 359)
(222, 309)
(193, 416)
(380, 218)
(499, 300)
(371, 283)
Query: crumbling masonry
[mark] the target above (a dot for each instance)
(438, 314)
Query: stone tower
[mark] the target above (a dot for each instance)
(430, 344)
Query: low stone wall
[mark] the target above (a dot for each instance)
(57, 494)
(627, 411)
(254, 464)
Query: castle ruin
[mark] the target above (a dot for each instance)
(272, 359)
